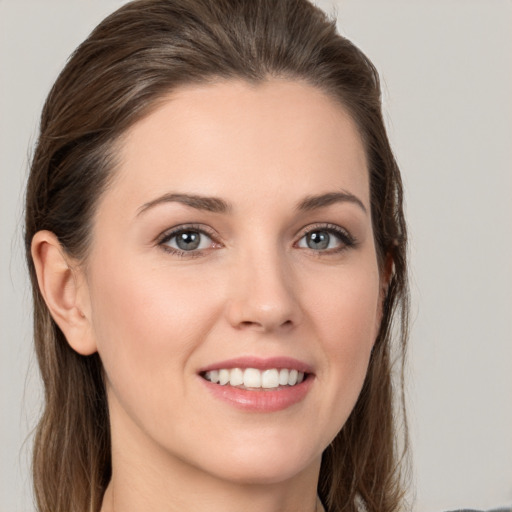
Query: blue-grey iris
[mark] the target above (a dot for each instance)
(318, 240)
(188, 240)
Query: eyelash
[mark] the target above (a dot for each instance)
(169, 235)
(346, 239)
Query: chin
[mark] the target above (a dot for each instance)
(264, 466)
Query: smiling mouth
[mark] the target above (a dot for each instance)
(253, 379)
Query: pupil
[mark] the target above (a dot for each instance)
(318, 240)
(188, 240)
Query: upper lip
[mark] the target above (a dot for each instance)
(260, 364)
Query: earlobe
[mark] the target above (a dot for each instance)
(64, 291)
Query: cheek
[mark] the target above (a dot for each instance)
(346, 320)
(147, 321)
(347, 313)
(149, 307)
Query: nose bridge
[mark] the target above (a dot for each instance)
(262, 294)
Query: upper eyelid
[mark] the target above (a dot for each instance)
(170, 232)
(326, 226)
(320, 225)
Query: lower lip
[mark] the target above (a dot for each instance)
(262, 400)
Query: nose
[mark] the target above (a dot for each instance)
(263, 294)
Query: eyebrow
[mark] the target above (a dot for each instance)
(209, 204)
(217, 205)
(323, 200)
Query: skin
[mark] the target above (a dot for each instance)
(254, 288)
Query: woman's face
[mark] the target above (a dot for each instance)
(235, 242)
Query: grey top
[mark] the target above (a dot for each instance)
(504, 509)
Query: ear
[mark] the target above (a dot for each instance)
(385, 279)
(64, 290)
(387, 274)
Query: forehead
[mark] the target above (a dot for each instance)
(245, 141)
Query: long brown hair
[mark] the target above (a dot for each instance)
(116, 76)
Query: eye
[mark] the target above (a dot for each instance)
(186, 240)
(326, 238)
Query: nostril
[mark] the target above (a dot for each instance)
(261, 325)
(247, 323)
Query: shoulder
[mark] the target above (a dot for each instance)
(503, 509)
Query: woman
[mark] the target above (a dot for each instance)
(216, 242)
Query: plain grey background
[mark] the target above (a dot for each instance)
(447, 80)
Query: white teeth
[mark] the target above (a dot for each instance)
(237, 377)
(283, 377)
(224, 377)
(292, 378)
(254, 378)
(212, 376)
(270, 379)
